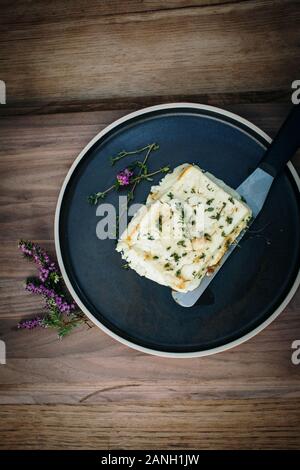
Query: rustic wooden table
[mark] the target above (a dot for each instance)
(71, 68)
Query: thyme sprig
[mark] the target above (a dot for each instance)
(143, 170)
(94, 198)
(126, 177)
(125, 153)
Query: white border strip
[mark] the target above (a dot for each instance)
(62, 267)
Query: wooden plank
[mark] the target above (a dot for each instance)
(221, 49)
(59, 59)
(88, 366)
(181, 424)
(37, 151)
(223, 100)
(25, 11)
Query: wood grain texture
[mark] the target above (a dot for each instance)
(88, 366)
(71, 68)
(24, 11)
(49, 56)
(182, 424)
(36, 152)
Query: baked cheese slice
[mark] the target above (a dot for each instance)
(181, 233)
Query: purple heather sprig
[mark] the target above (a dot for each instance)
(31, 324)
(61, 303)
(40, 257)
(62, 312)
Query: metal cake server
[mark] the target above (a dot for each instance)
(255, 190)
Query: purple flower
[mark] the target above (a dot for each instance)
(44, 273)
(49, 285)
(30, 324)
(59, 301)
(36, 254)
(62, 305)
(124, 177)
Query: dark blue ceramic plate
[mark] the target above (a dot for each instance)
(248, 293)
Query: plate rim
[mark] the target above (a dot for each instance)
(68, 283)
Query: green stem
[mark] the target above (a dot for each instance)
(94, 198)
(149, 175)
(124, 153)
(130, 194)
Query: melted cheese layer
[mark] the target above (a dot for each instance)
(184, 229)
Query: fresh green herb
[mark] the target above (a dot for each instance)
(180, 208)
(209, 209)
(176, 257)
(63, 327)
(170, 195)
(142, 176)
(155, 257)
(210, 201)
(223, 234)
(207, 237)
(94, 198)
(193, 222)
(243, 199)
(168, 267)
(125, 153)
(229, 220)
(126, 177)
(231, 200)
(193, 190)
(150, 237)
(143, 167)
(181, 243)
(218, 215)
(160, 223)
(178, 272)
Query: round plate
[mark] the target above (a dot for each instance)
(253, 287)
